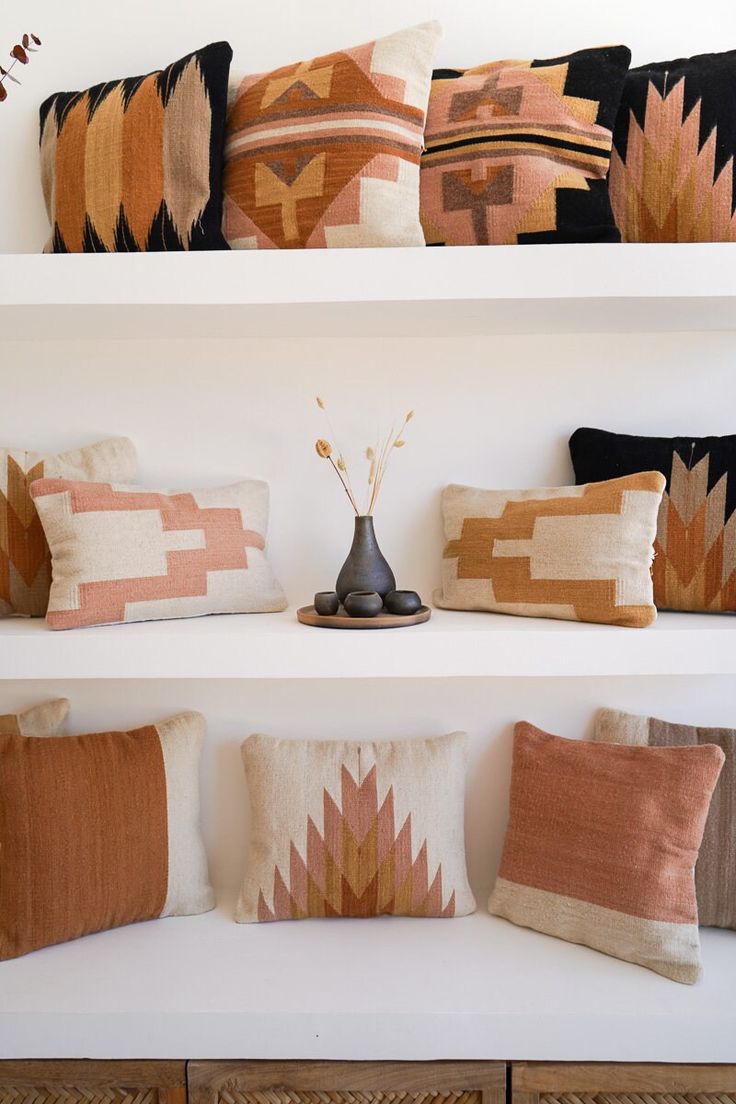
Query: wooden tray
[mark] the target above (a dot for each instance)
(309, 616)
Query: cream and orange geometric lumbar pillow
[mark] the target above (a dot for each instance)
(25, 561)
(47, 719)
(123, 554)
(341, 828)
(577, 553)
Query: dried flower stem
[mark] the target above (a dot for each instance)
(347, 482)
(19, 54)
(345, 486)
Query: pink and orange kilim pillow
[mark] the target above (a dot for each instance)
(602, 843)
(123, 554)
(519, 151)
(342, 828)
(326, 152)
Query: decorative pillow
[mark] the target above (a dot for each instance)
(601, 845)
(695, 561)
(326, 152)
(518, 151)
(123, 554)
(577, 553)
(25, 560)
(114, 837)
(47, 719)
(340, 828)
(715, 873)
(672, 176)
(136, 164)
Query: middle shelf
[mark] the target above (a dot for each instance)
(451, 645)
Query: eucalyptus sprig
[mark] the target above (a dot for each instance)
(28, 45)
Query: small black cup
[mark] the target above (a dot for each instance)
(363, 603)
(326, 603)
(403, 602)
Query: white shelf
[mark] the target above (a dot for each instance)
(390, 988)
(451, 645)
(464, 290)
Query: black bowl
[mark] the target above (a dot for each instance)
(363, 603)
(403, 602)
(326, 603)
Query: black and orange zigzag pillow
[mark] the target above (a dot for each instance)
(672, 167)
(695, 549)
(135, 165)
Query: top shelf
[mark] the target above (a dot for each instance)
(361, 292)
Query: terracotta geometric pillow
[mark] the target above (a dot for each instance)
(715, 873)
(136, 164)
(601, 845)
(114, 835)
(25, 560)
(47, 719)
(123, 554)
(672, 168)
(340, 828)
(576, 553)
(518, 151)
(695, 549)
(326, 152)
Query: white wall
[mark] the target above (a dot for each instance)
(86, 41)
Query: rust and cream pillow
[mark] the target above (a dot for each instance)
(25, 561)
(715, 873)
(47, 719)
(601, 845)
(325, 153)
(124, 554)
(114, 837)
(340, 828)
(576, 553)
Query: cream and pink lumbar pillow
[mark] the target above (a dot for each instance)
(114, 837)
(341, 828)
(601, 846)
(325, 152)
(715, 873)
(25, 560)
(124, 554)
(47, 719)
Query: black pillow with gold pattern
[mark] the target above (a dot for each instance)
(135, 165)
(695, 549)
(672, 177)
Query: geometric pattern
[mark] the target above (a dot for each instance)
(325, 153)
(359, 865)
(342, 828)
(122, 554)
(715, 872)
(519, 151)
(25, 561)
(601, 846)
(672, 169)
(695, 548)
(281, 1095)
(576, 553)
(70, 1094)
(136, 164)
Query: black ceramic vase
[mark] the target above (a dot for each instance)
(365, 568)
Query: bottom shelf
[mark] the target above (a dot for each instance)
(451, 644)
(412, 989)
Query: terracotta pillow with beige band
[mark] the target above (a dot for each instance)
(114, 836)
(47, 719)
(715, 873)
(601, 846)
